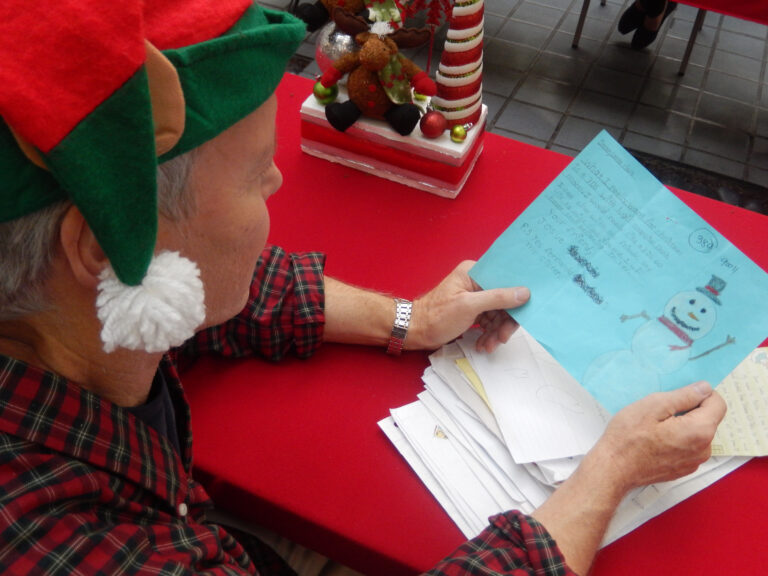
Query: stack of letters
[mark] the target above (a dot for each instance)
(494, 432)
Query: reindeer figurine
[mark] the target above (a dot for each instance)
(380, 78)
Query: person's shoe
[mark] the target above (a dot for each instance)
(631, 19)
(644, 37)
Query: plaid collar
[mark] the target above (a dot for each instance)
(46, 409)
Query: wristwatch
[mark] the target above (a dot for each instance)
(403, 310)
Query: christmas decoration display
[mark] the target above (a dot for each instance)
(460, 73)
(371, 124)
(380, 77)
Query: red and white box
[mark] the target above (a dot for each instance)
(438, 165)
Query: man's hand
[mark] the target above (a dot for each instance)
(457, 303)
(662, 436)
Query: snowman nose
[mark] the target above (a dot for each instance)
(693, 316)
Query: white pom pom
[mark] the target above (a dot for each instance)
(160, 313)
(381, 28)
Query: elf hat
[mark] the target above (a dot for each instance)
(94, 94)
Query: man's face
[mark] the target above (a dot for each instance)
(231, 178)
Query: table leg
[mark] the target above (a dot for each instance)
(697, 25)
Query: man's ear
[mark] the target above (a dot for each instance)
(85, 257)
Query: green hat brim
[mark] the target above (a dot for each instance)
(227, 78)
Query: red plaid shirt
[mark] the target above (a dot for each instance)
(87, 488)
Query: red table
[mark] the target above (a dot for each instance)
(295, 446)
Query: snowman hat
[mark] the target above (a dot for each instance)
(713, 289)
(95, 95)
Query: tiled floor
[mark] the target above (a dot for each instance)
(706, 131)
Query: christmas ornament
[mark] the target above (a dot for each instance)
(331, 45)
(325, 95)
(433, 124)
(458, 133)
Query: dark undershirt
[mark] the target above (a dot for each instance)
(158, 411)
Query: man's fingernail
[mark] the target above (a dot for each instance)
(703, 388)
(522, 294)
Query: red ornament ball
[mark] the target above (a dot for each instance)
(433, 124)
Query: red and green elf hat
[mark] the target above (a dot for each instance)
(94, 94)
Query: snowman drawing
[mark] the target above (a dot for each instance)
(659, 346)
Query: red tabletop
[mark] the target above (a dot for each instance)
(295, 446)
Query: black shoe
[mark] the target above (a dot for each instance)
(644, 37)
(631, 19)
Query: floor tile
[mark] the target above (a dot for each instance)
(642, 143)
(668, 69)
(538, 14)
(562, 43)
(672, 47)
(614, 82)
(729, 86)
(720, 140)
(501, 7)
(759, 155)
(670, 96)
(745, 27)
(712, 163)
(621, 57)
(500, 80)
(601, 108)
(495, 104)
(762, 123)
(530, 120)
(743, 66)
(577, 132)
(594, 28)
(508, 55)
(757, 176)
(726, 112)
(524, 33)
(568, 69)
(740, 43)
(546, 93)
(660, 123)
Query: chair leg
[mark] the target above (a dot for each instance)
(580, 25)
(697, 25)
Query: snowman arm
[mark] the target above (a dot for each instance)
(728, 340)
(625, 317)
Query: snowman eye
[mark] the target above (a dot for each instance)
(703, 310)
(692, 301)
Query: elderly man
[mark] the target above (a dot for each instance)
(137, 155)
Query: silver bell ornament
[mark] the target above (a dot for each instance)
(331, 45)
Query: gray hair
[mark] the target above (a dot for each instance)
(29, 243)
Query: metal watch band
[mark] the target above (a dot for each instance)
(403, 310)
